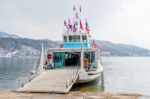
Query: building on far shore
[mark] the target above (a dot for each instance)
(106, 53)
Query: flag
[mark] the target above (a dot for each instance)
(80, 9)
(87, 27)
(77, 15)
(74, 8)
(74, 29)
(75, 26)
(70, 25)
(65, 24)
(94, 44)
(81, 27)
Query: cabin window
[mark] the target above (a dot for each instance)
(61, 59)
(65, 38)
(91, 58)
(74, 38)
(84, 38)
(58, 59)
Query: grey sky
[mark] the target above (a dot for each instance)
(120, 21)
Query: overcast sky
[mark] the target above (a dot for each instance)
(119, 21)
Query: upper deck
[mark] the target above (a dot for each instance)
(75, 40)
(76, 34)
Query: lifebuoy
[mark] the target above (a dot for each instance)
(49, 56)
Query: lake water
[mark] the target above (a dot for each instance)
(121, 74)
(13, 71)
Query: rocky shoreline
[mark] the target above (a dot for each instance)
(71, 95)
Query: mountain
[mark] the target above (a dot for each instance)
(122, 49)
(6, 35)
(11, 43)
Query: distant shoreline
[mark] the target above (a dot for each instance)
(74, 95)
(125, 56)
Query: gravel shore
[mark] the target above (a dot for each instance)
(71, 95)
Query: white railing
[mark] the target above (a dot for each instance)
(71, 79)
(36, 70)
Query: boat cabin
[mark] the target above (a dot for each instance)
(75, 40)
(68, 57)
(70, 53)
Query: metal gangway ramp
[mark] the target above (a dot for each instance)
(56, 80)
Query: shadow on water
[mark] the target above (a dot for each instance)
(94, 86)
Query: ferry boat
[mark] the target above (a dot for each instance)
(77, 60)
(78, 50)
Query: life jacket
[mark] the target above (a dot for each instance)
(85, 63)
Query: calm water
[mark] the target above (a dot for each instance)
(121, 74)
(13, 71)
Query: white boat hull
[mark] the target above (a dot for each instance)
(85, 77)
(90, 78)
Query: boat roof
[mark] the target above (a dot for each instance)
(74, 33)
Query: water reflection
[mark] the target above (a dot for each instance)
(94, 86)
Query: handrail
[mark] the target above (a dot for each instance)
(71, 79)
(73, 76)
(35, 73)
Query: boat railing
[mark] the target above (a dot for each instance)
(37, 70)
(72, 77)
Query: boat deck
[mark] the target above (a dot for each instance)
(55, 80)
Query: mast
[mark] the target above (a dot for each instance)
(76, 26)
(82, 57)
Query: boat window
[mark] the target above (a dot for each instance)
(74, 38)
(84, 38)
(61, 59)
(86, 55)
(65, 38)
(58, 59)
(91, 58)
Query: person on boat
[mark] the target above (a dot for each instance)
(45, 64)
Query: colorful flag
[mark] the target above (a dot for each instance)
(81, 27)
(65, 24)
(70, 25)
(87, 27)
(94, 44)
